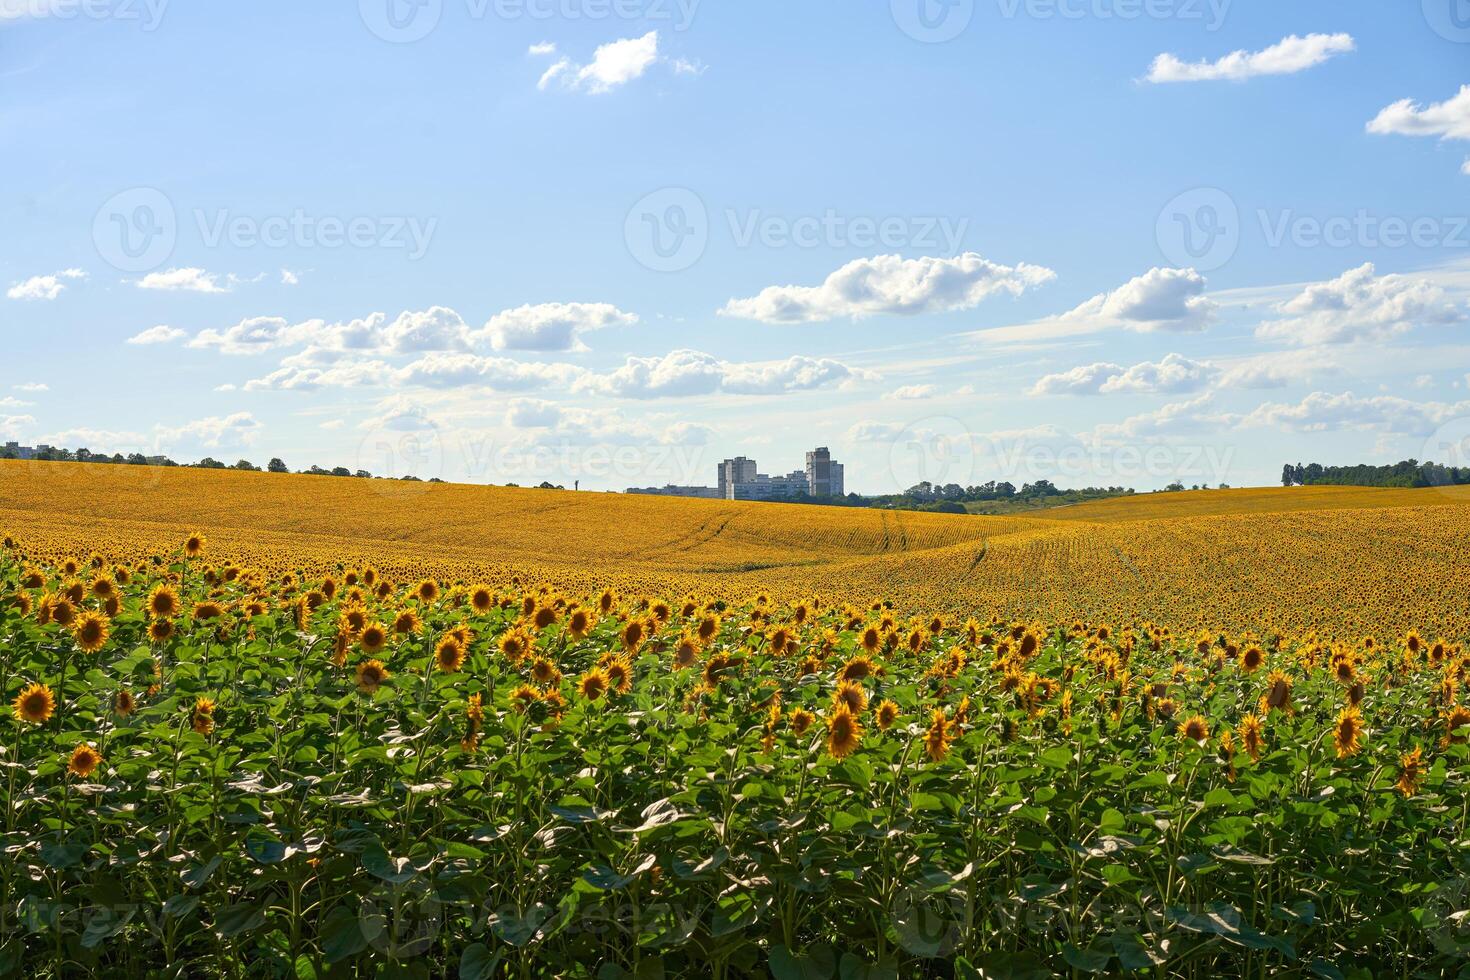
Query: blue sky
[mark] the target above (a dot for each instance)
(949, 241)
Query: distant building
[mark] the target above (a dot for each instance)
(739, 479)
(734, 472)
(823, 477)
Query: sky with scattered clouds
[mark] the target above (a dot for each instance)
(615, 241)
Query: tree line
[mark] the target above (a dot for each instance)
(276, 464)
(1407, 473)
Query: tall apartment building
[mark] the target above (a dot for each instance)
(823, 476)
(739, 479)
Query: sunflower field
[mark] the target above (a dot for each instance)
(220, 769)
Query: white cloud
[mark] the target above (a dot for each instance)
(331, 425)
(161, 334)
(531, 413)
(1176, 418)
(1424, 381)
(32, 386)
(348, 374)
(188, 280)
(890, 284)
(446, 370)
(552, 326)
(613, 64)
(1160, 299)
(1277, 369)
(684, 373)
(1287, 57)
(913, 392)
(1359, 305)
(289, 278)
(544, 48)
(12, 402)
(1449, 119)
(400, 413)
(793, 374)
(874, 432)
(43, 287)
(215, 432)
(250, 336)
(1175, 374)
(1465, 167)
(11, 426)
(1323, 412)
(1085, 379)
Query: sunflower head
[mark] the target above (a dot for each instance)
(201, 718)
(124, 703)
(938, 736)
(1347, 732)
(887, 714)
(1195, 729)
(370, 676)
(194, 545)
(84, 761)
(1411, 772)
(523, 697)
(34, 704)
(373, 638)
(482, 598)
(160, 630)
(844, 732)
(90, 631)
(406, 622)
(801, 719)
(593, 684)
(449, 655)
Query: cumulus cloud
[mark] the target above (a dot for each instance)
(43, 287)
(215, 432)
(290, 278)
(890, 284)
(531, 413)
(348, 374)
(161, 334)
(1448, 120)
(250, 336)
(188, 280)
(1160, 299)
(9, 401)
(613, 64)
(1174, 374)
(913, 392)
(32, 386)
(1287, 57)
(552, 326)
(544, 48)
(874, 432)
(11, 426)
(1323, 412)
(1176, 418)
(1278, 369)
(684, 373)
(1360, 305)
(399, 414)
(443, 370)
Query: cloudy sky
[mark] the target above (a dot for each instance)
(614, 241)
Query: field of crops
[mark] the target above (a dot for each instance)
(1337, 563)
(218, 770)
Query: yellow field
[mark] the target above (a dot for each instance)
(1340, 561)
